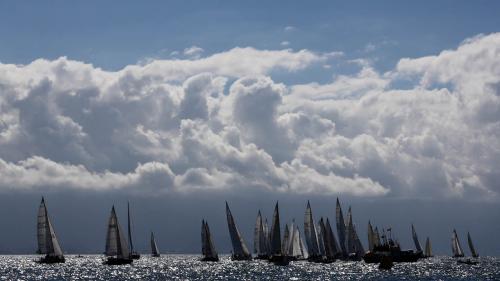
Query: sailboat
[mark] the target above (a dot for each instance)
(327, 243)
(428, 248)
(260, 239)
(311, 236)
(47, 240)
(456, 248)
(240, 250)
(341, 229)
(294, 249)
(207, 245)
(133, 254)
(154, 248)
(418, 248)
(277, 255)
(117, 249)
(472, 250)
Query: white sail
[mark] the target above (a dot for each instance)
(359, 249)
(428, 248)
(239, 247)
(267, 237)
(47, 240)
(321, 241)
(260, 243)
(276, 233)
(289, 245)
(471, 246)
(341, 229)
(310, 232)
(295, 245)
(303, 249)
(116, 244)
(415, 239)
(154, 247)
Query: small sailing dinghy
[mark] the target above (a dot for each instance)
(133, 254)
(428, 248)
(277, 255)
(116, 244)
(456, 248)
(154, 248)
(47, 240)
(240, 250)
(207, 245)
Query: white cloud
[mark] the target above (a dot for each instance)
(284, 43)
(221, 124)
(193, 52)
(289, 28)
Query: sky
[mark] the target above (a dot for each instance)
(179, 106)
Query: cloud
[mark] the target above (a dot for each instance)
(193, 52)
(222, 124)
(289, 28)
(284, 43)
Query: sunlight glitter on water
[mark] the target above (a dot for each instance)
(187, 267)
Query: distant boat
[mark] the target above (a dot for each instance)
(311, 236)
(117, 249)
(329, 248)
(294, 249)
(418, 248)
(154, 248)
(133, 254)
(355, 249)
(389, 248)
(277, 255)
(47, 240)
(260, 242)
(207, 244)
(240, 250)
(428, 248)
(332, 242)
(471, 246)
(456, 248)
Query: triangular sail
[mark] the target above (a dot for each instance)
(415, 239)
(359, 249)
(351, 248)
(321, 241)
(295, 247)
(286, 240)
(47, 240)
(303, 249)
(260, 243)
(207, 245)
(154, 247)
(333, 242)
(267, 237)
(116, 245)
(310, 232)
(455, 245)
(428, 248)
(371, 237)
(341, 228)
(276, 233)
(239, 247)
(471, 246)
(129, 226)
(376, 235)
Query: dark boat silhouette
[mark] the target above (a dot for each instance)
(47, 240)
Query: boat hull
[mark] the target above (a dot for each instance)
(135, 256)
(279, 260)
(399, 256)
(118, 261)
(51, 259)
(212, 259)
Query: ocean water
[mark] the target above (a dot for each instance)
(187, 267)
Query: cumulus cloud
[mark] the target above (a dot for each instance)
(193, 52)
(222, 124)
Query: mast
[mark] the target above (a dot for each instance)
(415, 239)
(239, 247)
(129, 228)
(471, 246)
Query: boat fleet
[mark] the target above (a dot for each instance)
(321, 244)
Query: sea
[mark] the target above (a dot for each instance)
(188, 267)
